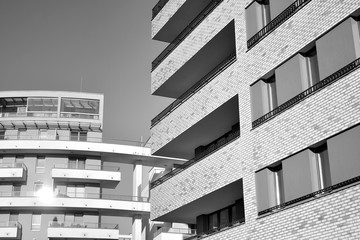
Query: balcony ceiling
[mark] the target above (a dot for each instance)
(204, 132)
(205, 60)
(207, 204)
(182, 18)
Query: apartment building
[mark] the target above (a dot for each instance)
(266, 111)
(59, 178)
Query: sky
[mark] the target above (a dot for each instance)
(53, 44)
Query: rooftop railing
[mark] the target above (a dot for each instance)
(226, 139)
(195, 88)
(77, 195)
(185, 231)
(87, 167)
(157, 8)
(208, 9)
(55, 224)
(311, 196)
(308, 92)
(276, 22)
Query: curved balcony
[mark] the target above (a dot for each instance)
(127, 205)
(72, 230)
(13, 172)
(10, 230)
(107, 176)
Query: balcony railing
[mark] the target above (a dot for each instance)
(10, 224)
(208, 9)
(218, 229)
(158, 7)
(77, 195)
(12, 165)
(54, 137)
(223, 141)
(311, 196)
(87, 167)
(308, 92)
(55, 224)
(185, 231)
(276, 22)
(195, 88)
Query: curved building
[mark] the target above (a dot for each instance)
(59, 179)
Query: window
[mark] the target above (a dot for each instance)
(79, 108)
(37, 186)
(16, 190)
(42, 104)
(14, 217)
(40, 164)
(76, 190)
(257, 16)
(263, 97)
(2, 134)
(77, 162)
(78, 136)
(36, 222)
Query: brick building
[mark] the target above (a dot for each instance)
(267, 113)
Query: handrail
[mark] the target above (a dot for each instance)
(92, 167)
(10, 224)
(230, 136)
(77, 195)
(321, 192)
(52, 137)
(56, 224)
(308, 92)
(187, 231)
(195, 88)
(157, 8)
(13, 165)
(189, 28)
(218, 229)
(276, 22)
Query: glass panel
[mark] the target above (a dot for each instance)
(224, 217)
(74, 136)
(42, 105)
(233, 214)
(14, 217)
(72, 163)
(83, 136)
(80, 191)
(213, 221)
(38, 186)
(81, 163)
(16, 190)
(73, 105)
(71, 191)
(40, 165)
(36, 222)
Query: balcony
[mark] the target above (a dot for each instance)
(308, 92)
(10, 230)
(13, 172)
(127, 205)
(71, 230)
(107, 176)
(180, 23)
(166, 233)
(207, 59)
(276, 22)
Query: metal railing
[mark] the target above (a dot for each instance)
(55, 137)
(195, 88)
(308, 92)
(77, 195)
(217, 229)
(226, 139)
(186, 231)
(95, 167)
(55, 224)
(321, 192)
(157, 8)
(276, 22)
(12, 165)
(198, 19)
(10, 224)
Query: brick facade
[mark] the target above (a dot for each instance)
(318, 117)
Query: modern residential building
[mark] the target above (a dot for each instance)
(59, 178)
(266, 111)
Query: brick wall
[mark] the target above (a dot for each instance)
(322, 115)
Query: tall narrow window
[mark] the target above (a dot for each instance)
(321, 167)
(278, 184)
(77, 162)
(36, 222)
(2, 134)
(213, 221)
(40, 164)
